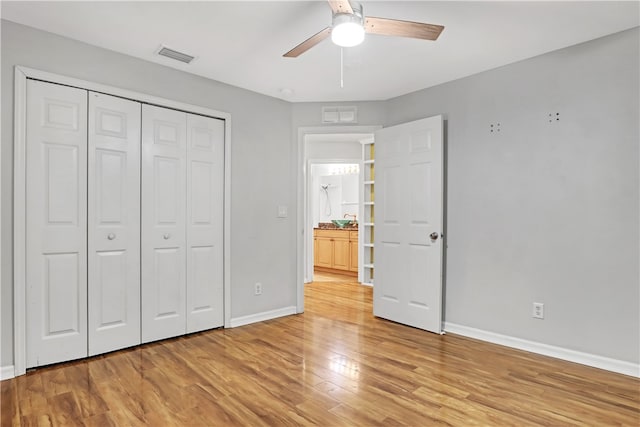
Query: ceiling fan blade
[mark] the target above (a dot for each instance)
(395, 27)
(340, 6)
(308, 43)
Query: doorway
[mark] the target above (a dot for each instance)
(409, 241)
(324, 145)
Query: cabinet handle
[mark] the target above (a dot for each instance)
(111, 236)
(166, 236)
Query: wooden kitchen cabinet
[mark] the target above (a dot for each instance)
(335, 250)
(341, 253)
(323, 252)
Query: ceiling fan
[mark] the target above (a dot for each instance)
(349, 26)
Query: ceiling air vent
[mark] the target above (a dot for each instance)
(339, 115)
(174, 54)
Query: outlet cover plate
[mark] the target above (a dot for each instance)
(538, 310)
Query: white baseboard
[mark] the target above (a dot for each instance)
(7, 372)
(613, 365)
(261, 317)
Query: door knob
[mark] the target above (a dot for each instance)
(111, 236)
(166, 236)
(434, 236)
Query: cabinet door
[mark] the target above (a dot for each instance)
(341, 254)
(163, 223)
(205, 210)
(353, 252)
(56, 223)
(324, 249)
(114, 223)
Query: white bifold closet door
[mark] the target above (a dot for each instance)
(182, 207)
(114, 223)
(164, 196)
(56, 223)
(205, 195)
(124, 223)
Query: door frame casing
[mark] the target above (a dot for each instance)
(301, 208)
(19, 188)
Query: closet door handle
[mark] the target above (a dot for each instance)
(166, 236)
(111, 236)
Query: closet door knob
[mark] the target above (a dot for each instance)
(111, 236)
(166, 236)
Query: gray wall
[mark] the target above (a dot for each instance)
(261, 248)
(541, 211)
(332, 150)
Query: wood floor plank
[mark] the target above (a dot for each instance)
(334, 365)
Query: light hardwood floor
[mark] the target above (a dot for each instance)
(335, 365)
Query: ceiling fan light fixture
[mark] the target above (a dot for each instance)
(347, 34)
(348, 28)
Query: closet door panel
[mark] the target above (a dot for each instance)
(163, 223)
(205, 196)
(114, 223)
(56, 227)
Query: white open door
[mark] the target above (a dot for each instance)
(114, 223)
(409, 224)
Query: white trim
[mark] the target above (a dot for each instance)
(261, 317)
(19, 210)
(1, 199)
(19, 224)
(227, 221)
(123, 93)
(301, 178)
(7, 372)
(606, 363)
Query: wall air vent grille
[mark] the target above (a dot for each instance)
(339, 115)
(174, 54)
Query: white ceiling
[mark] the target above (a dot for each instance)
(241, 43)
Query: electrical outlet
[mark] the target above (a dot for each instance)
(538, 310)
(258, 289)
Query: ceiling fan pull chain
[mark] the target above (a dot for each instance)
(341, 69)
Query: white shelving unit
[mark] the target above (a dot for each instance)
(367, 212)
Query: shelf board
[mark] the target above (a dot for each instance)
(369, 162)
(368, 224)
(367, 283)
(369, 203)
(368, 266)
(369, 182)
(367, 245)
